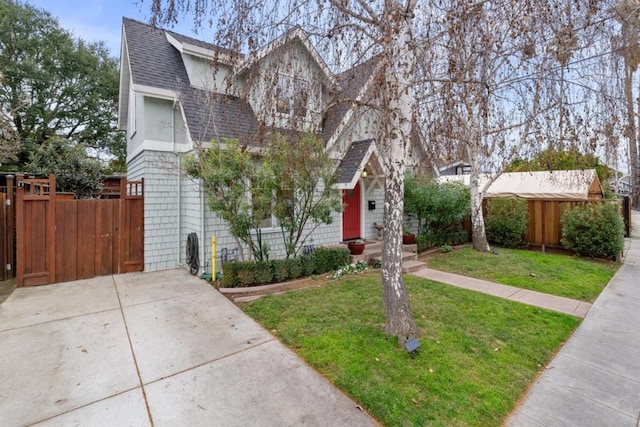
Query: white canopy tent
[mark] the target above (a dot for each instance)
(544, 185)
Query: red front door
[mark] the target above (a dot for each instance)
(351, 214)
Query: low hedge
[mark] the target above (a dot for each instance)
(253, 273)
(436, 239)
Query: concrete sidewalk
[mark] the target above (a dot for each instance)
(163, 349)
(560, 304)
(594, 380)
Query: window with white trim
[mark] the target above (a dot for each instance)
(292, 96)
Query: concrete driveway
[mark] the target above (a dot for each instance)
(161, 348)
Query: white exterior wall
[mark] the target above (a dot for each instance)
(135, 128)
(296, 63)
(204, 75)
(376, 194)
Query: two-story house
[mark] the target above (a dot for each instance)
(178, 93)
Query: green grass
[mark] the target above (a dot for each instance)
(562, 275)
(477, 356)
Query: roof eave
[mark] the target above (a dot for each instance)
(198, 51)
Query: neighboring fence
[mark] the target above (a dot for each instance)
(545, 227)
(61, 239)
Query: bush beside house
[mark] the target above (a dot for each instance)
(250, 273)
(438, 210)
(593, 229)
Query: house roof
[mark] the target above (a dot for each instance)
(155, 60)
(354, 162)
(353, 82)
(543, 185)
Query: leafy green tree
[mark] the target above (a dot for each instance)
(301, 178)
(55, 85)
(571, 159)
(74, 171)
(435, 206)
(236, 191)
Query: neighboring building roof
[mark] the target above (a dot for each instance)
(544, 185)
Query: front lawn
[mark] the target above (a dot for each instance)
(478, 353)
(562, 275)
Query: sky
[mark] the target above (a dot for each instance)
(95, 20)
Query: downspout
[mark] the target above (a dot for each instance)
(202, 231)
(179, 178)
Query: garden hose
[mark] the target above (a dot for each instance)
(192, 253)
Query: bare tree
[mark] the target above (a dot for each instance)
(627, 13)
(345, 31)
(491, 90)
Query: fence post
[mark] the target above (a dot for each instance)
(11, 227)
(51, 229)
(20, 228)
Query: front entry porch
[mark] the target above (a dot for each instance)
(372, 255)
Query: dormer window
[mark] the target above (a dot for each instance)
(292, 96)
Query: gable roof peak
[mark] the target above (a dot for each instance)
(294, 33)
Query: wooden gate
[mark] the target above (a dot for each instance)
(7, 229)
(62, 239)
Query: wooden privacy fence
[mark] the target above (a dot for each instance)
(61, 239)
(545, 227)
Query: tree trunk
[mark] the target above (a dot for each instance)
(632, 137)
(478, 232)
(401, 104)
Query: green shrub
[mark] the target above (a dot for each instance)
(328, 259)
(230, 275)
(507, 221)
(245, 276)
(308, 263)
(435, 207)
(253, 273)
(434, 239)
(280, 270)
(262, 273)
(459, 237)
(593, 229)
(294, 268)
(423, 243)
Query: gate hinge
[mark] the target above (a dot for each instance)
(7, 202)
(8, 267)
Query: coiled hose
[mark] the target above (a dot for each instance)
(193, 259)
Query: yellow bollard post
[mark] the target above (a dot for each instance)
(213, 258)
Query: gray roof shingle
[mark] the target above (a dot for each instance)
(156, 63)
(352, 161)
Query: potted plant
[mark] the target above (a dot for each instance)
(408, 238)
(356, 247)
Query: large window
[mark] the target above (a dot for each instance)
(292, 96)
(265, 204)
